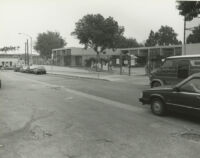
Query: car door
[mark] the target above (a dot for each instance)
(188, 95)
(168, 72)
(183, 69)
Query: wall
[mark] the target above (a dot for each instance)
(192, 48)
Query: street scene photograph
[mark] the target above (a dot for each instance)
(99, 79)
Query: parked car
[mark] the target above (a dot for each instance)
(32, 68)
(174, 70)
(25, 69)
(38, 69)
(17, 68)
(184, 96)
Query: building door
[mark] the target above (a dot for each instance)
(78, 60)
(67, 60)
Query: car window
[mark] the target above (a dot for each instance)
(195, 62)
(192, 85)
(168, 63)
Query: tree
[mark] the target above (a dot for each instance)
(48, 41)
(194, 37)
(124, 42)
(152, 40)
(189, 9)
(9, 48)
(164, 36)
(97, 32)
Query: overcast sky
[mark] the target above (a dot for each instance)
(36, 16)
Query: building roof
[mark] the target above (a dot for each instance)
(184, 56)
(153, 47)
(89, 51)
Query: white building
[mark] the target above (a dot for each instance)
(10, 60)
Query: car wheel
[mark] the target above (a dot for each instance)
(156, 84)
(158, 107)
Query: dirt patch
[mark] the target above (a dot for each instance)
(191, 136)
(38, 133)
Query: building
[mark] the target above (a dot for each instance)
(10, 60)
(74, 56)
(140, 56)
(154, 55)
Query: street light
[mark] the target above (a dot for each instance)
(31, 41)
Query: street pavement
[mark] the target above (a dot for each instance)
(52, 116)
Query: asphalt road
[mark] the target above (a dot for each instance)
(59, 117)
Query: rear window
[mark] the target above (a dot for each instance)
(195, 62)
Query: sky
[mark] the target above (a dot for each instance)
(37, 16)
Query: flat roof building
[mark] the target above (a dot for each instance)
(74, 56)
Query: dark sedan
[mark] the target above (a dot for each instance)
(38, 70)
(17, 68)
(184, 97)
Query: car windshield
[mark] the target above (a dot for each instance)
(41, 67)
(32, 67)
(193, 85)
(167, 63)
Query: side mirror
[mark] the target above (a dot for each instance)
(176, 89)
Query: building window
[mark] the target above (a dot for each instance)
(68, 51)
(63, 52)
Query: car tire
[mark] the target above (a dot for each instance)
(158, 107)
(156, 84)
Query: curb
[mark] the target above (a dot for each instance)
(73, 76)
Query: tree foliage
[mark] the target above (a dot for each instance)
(47, 41)
(194, 37)
(164, 36)
(124, 42)
(152, 40)
(97, 32)
(189, 9)
(9, 48)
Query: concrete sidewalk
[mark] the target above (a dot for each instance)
(137, 74)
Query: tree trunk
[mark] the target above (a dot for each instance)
(97, 61)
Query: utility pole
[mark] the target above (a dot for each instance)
(27, 53)
(30, 43)
(129, 64)
(148, 62)
(120, 63)
(184, 43)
